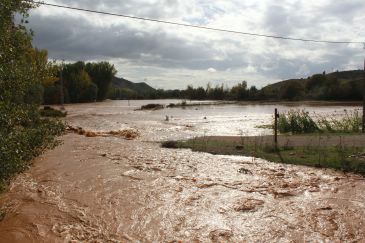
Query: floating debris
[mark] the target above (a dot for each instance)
(128, 134)
(152, 107)
(244, 171)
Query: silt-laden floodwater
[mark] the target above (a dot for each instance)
(107, 189)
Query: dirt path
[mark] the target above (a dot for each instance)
(107, 189)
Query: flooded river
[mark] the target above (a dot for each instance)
(108, 189)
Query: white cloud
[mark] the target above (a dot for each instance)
(250, 69)
(172, 57)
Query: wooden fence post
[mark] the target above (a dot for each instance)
(363, 100)
(276, 127)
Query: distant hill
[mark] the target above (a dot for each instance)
(341, 85)
(122, 83)
(336, 86)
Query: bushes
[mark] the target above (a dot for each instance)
(170, 144)
(296, 121)
(350, 122)
(23, 135)
(299, 121)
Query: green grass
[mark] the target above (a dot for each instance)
(336, 157)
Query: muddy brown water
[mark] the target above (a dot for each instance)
(107, 189)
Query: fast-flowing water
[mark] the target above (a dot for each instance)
(221, 120)
(107, 189)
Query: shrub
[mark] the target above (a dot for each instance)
(23, 135)
(152, 107)
(170, 144)
(297, 121)
(349, 122)
(48, 111)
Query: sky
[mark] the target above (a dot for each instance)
(172, 57)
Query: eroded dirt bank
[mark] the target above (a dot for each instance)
(108, 189)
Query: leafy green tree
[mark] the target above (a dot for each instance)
(23, 133)
(239, 91)
(15, 52)
(292, 91)
(83, 89)
(101, 73)
(252, 92)
(316, 81)
(332, 90)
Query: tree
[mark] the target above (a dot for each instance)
(252, 93)
(239, 91)
(15, 50)
(101, 74)
(41, 72)
(83, 89)
(23, 133)
(316, 81)
(291, 91)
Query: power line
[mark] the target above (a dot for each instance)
(198, 26)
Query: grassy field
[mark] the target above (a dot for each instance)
(327, 155)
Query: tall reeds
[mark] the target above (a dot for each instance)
(300, 121)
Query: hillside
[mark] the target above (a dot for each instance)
(340, 85)
(122, 83)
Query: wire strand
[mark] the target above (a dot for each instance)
(198, 26)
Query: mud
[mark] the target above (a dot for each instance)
(109, 189)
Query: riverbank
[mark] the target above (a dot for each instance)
(344, 152)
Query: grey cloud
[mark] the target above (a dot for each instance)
(76, 38)
(277, 20)
(143, 8)
(282, 68)
(345, 10)
(73, 38)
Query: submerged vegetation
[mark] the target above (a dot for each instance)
(299, 121)
(152, 107)
(23, 132)
(340, 156)
(48, 111)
